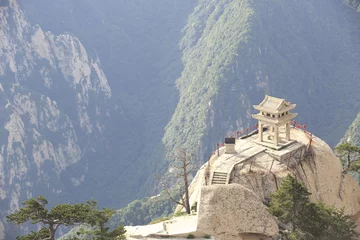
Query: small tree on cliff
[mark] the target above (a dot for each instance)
(34, 211)
(306, 220)
(182, 166)
(97, 220)
(349, 156)
(289, 202)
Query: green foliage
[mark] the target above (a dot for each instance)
(353, 3)
(62, 214)
(100, 233)
(179, 214)
(334, 223)
(349, 156)
(306, 220)
(224, 26)
(190, 236)
(289, 202)
(235, 51)
(97, 220)
(40, 235)
(140, 212)
(352, 135)
(162, 219)
(68, 215)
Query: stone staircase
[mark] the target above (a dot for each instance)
(219, 178)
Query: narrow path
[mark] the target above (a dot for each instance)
(223, 166)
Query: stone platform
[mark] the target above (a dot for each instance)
(248, 149)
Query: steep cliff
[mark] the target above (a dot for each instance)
(137, 43)
(53, 110)
(235, 51)
(236, 209)
(313, 163)
(352, 135)
(232, 53)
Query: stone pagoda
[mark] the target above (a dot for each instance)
(275, 113)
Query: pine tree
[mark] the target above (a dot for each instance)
(306, 220)
(288, 203)
(97, 220)
(35, 211)
(349, 156)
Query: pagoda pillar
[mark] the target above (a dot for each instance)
(288, 131)
(260, 130)
(276, 134)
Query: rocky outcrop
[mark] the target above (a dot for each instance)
(352, 135)
(317, 167)
(53, 102)
(231, 211)
(236, 210)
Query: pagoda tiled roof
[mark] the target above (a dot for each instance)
(274, 105)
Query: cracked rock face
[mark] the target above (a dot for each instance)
(231, 211)
(53, 102)
(236, 210)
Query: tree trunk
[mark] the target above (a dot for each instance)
(52, 232)
(186, 186)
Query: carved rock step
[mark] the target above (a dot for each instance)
(219, 178)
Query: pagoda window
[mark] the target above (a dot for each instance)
(273, 116)
(268, 114)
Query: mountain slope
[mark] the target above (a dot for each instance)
(236, 51)
(352, 135)
(137, 42)
(53, 109)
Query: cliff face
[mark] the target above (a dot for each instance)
(231, 53)
(236, 210)
(137, 43)
(352, 135)
(235, 51)
(256, 177)
(53, 101)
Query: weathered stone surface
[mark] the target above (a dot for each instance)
(320, 170)
(227, 211)
(236, 211)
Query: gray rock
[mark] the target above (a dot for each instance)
(230, 211)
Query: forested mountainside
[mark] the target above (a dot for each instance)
(54, 105)
(196, 68)
(235, 51)
(352, 135)
(355, 4)
(137, 43)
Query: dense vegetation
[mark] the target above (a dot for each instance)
(138, 212)
(137, 44)
(231, 53)
(35, 211)
(354, 4)
(350, 157)
(235, 51)
(302, 220)
(352, 135)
